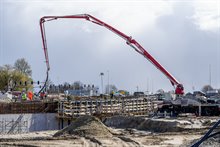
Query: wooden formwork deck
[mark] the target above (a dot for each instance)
(105, 107)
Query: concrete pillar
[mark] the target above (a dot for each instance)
(200, 111)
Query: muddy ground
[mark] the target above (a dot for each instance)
(124, 131)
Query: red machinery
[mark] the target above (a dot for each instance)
(179, 90)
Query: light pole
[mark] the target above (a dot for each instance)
(210, 76)
(108, 83)
(102, 74)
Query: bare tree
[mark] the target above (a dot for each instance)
(23, 66)
(160, 91)
(206, 88)
(77, 85)
(6, 67)
(110, 88)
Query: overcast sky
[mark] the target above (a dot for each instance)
(183, 35)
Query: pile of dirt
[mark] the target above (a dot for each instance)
(161, 126)
(211, 142)
(85, 126)
(120, 121)
(146, 124)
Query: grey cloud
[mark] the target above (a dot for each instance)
(176, 42)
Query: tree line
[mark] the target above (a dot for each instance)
(16, 77)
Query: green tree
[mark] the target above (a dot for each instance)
(20, 81)
(23, 66)
(10, 79)
(5, 76)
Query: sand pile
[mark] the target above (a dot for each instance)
(120, 121)
(160, 126)
(210, 142)
(146, 124)
(85, 126)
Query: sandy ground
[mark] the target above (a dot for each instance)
(124, 137)
(121, 138)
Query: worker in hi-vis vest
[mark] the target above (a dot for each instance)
(24, 96)
(30, 95)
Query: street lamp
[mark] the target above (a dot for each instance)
(102, 74)
(108, 83)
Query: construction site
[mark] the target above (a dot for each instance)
(84, 116)
(117, 121)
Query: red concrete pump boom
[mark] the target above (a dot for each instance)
(131, 42)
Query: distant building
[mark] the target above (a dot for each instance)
(84, 91)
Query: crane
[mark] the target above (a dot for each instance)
(179, 89)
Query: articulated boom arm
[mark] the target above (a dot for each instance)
(131, 42)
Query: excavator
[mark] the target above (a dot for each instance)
(179, 89)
